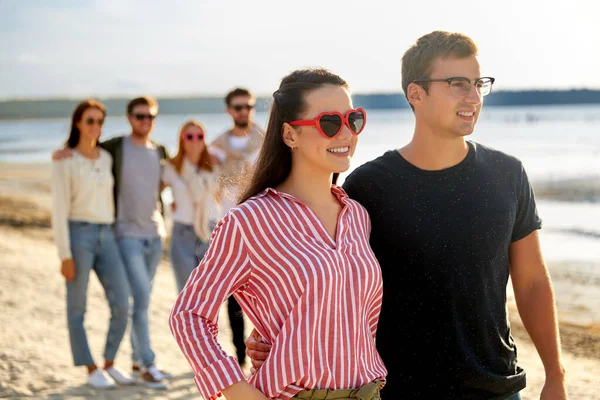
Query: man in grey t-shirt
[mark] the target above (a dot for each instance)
(139, 225)
(139, 212)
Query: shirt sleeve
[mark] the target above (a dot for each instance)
(167, 174)
(218, 152)
(224, 270)
(61, 201)
(527, 219)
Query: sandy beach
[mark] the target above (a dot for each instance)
(35, 359)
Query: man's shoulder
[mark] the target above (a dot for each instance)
(373, 168)
(221, 136)
(491, 156)
(114, 141)
(162, 149)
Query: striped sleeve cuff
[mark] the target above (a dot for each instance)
(218, 376)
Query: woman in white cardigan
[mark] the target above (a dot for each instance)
(192, 176)
(82, 220)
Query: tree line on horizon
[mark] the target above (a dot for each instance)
(61, 108)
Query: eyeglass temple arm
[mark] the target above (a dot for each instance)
(303, 122)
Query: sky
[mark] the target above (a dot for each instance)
(120, 48)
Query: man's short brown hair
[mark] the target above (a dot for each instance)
(235, 93)
(142, 101)
(418, 60)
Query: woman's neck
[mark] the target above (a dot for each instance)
(310, 188)
(87, 148)
(193, 158)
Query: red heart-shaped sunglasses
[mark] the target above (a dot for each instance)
(329, 124)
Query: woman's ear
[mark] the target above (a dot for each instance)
(289, 136)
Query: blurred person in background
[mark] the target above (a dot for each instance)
(82, 220)
(191, 176)
(137, 171)
(237, 150)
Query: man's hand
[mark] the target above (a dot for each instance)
(67, 269)
(554, 389)
(257, 350)
(62, 154)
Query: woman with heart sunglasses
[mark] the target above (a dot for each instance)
(82, 221)
(191, 175)
(295, 254)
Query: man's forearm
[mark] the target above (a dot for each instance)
(538, 312)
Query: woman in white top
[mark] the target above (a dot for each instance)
(192, 177)
(82, 220)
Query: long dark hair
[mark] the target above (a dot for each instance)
(74, 136)
(275, 159)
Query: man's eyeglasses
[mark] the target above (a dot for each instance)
(461, 86)
(92, 121)
(240, 107)
(141, 117)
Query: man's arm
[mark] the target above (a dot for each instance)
(535, 301)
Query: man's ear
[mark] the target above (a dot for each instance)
(415, 94)
(289, 136)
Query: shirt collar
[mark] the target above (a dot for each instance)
(337, 191)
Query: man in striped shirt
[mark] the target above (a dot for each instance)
(452, 220)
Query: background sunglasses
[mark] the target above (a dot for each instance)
(193, 136)
(329, 124)
(240, 107)
(141, 117)
(92, 121)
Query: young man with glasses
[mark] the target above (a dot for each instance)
(452, 221)
(139, 227)
(236, 149)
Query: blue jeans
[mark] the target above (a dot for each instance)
(93, 247)
(516, 396)
(186, 252)
(141, 258)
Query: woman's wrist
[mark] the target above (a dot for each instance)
(242, 390)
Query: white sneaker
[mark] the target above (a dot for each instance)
(163, 373)
(119, 376)
(98, 380)
(153, 378)
(135, 371)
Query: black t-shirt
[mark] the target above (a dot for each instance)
(442, 240)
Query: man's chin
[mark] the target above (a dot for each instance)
(242, 125)
(140, 134)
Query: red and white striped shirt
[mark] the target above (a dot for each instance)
(314, 300)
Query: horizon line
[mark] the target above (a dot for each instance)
(261, 96)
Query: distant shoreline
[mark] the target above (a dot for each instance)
(62, 107)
